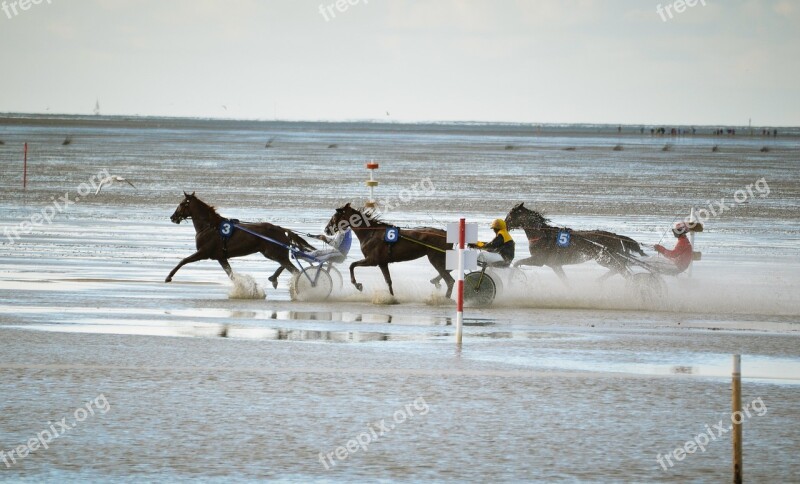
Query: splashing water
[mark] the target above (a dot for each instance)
(245, 287)
(383, 298)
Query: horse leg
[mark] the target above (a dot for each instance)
(608, 274)
(561, 274)
(227, 267)
(439, 264)
(285, 263)
(274, 277)
(358, 263)
(388, 277)
(530, 261)
(192, 258)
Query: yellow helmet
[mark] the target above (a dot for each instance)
(498, 224)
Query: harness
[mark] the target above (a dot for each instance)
(225, 230)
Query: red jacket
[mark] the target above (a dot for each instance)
(681, 255)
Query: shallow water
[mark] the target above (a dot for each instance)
(554, 382)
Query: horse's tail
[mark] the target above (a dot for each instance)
(298, 241)
(630, 245)
(619, 243)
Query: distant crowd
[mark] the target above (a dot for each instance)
(662, 131)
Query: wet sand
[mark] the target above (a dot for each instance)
(553, 382)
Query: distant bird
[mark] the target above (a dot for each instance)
(269, 143)
(225, 107)
(2, 142)
(618, 148)
(667, 147)
(67, 140)
(111, 179)
(764, 149)
(387, 113)
(714, 149)
(333, 146)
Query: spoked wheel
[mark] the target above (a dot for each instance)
(304, 288)
(479, 289)
(336, 277)
(648, 287)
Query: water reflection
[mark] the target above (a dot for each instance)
(416, 320)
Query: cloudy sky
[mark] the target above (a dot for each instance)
(610, 61)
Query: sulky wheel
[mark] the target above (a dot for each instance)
(336, 277)
(303, 287)
(479, 289)
(647, 287)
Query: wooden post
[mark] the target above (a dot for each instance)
(25, 168)
(736, 418)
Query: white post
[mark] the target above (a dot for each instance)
(460, 295)
(691, 241)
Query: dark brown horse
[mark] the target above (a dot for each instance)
(211, 245)
(599, 245)
(410, 244)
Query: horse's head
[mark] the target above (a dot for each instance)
(345, 217)
(514, 219)
(340, 219)
(184, 210)
(521, 217)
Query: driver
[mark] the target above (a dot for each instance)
(680, 257)
(501, 249)
(339, 246)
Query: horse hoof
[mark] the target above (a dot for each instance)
(274, 282)
(169, 279)
(360, 287)
(436, 283)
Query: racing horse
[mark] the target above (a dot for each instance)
(211, 244)
(581, 246)
(404, 245)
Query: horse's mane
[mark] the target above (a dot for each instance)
(210, 208)
(538, 217)
(372, 216)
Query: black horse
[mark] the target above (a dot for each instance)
(607, 248)
(211, 245)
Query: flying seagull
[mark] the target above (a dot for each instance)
(110, 180)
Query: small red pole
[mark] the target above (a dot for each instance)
(25, 168)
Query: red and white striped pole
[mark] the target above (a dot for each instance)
(460, 296)
(25, 168)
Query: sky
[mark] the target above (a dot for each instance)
(549, 61)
